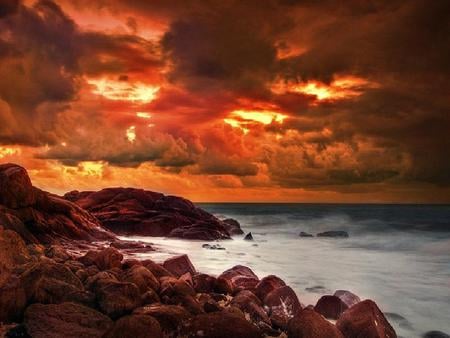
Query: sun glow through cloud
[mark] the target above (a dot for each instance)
(123, 90)
(131, 134)
(242, 118)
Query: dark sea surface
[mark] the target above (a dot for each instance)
(397, 255)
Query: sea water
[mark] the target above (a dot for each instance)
(396, 255)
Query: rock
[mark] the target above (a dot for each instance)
(309, 324)
(13, 252)
(169, 317)
(347, 297)
(41, 217)
(220, 325)
(399, 320)
(204, 283)
(435, 334)
(129, 211)
(335, 234)
(105, 259)
(142, 277)
(233, 227)
(179, 265)
(248, 237)
(283, 304)
(213, 247)
(118, 298)
(130, 262)
(267, 285)
(188, 302)
(330, 307)
(150, 297)
(74, 266)
(57, 253)
(171, 286)
(250, 304)
(50, 282)
(365, 320)
(13, 300)
(65, 320)
(236, 279)
(156, 269)
(135, 326)
(305, 234)
(134, 246)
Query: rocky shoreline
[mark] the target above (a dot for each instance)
(63, 273)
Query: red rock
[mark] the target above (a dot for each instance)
(309, 324)
(236, 279)
(220, 325)
(131, 211)
(157, 269)
(204, 283)
(15, 186)
(267, 285)
(171, 286)
(283, 304)
(142, 277)
(135, 326)
(105, 259)
(233, 227)
(13, 300)
(169, 317)
(130, 262)
(347, 297)
(118, 298)
(65, 320)
(13, 252)
(179, 265)
(330, 307)
(188, 302)
(57, 253)
(250, 304)
(365, 320)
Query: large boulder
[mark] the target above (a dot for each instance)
(105, 259)
(142, 277)
(220, 325)
(204, 283)
(64, 321)
(309, 324)
(330, 307)
(179, 265)
(283, 304)
(135, 326)
(267, 285)
(13, 300)
(248, 303)
(347, 297)
(169, 317)
(365, 320)
(333, 234)
(233, 227)
(13, 252)
(130, 211)
(236, 279)
(38, 216)
(118, 298)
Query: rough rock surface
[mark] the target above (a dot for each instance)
(330, 307)
(309, 324)
(38, 216)
(130, 211)
(135, 326)
(236, 279)
(283, 304)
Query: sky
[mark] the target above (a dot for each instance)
(230, 100)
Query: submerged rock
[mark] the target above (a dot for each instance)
(435, 334)
(305, 234)
(213, 247)
(248, 237)
(342, 234)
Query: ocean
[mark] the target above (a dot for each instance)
(396, 255)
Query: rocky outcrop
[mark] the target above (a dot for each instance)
(41, 217)
(129, 211)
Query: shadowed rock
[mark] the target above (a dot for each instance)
(179, 265)
(330, 307)
(135, 326)
(309, 324)
(305, 234)
(236, 279)
(283, 304)
(333, 234)
(248, 237)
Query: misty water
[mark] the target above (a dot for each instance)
(397, 255)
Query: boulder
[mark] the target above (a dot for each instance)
(334, 234)
(233, 227)
(365, 320)
(236, 279)
(330, 307)
(118, 298)
(204, 283)
(135, 326)
(171, 286)
(142, 277)
(65, 320)
(156, 269)
(282, 304)
(129, 211)
(248, 237)
(309, 324)
(57, 253)
(169, 317)
(105, 259)
(347, 297)
(250, 304)
(13, 252)
(15, 185)
(13, 300)
(305, 234)
(267, 285)
(435, 334)
(220, 325)
(50, 282)
(179, 265)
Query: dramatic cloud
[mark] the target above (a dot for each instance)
(230, 100)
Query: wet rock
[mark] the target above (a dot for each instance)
(169, 317)
(156, 269)
(220, 325)
(305, 234)
(171, 286)
(347, 297)
(282, 304)
(188, 302)
(135, 326)
(267, 285)
(365, 320)
(203, 283)
(213, 247)
(248, 237)
(150, 297)
(142, 277)
(330, 307)
(317, 289)
(233, 227)
(236, 279)
(179, 265)
(399, 320)
(435, 334)
(130, 262)
(129, 211)
(309, 324)
(334, 234)
(118, 298)
(65, 320)
(249, 303)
